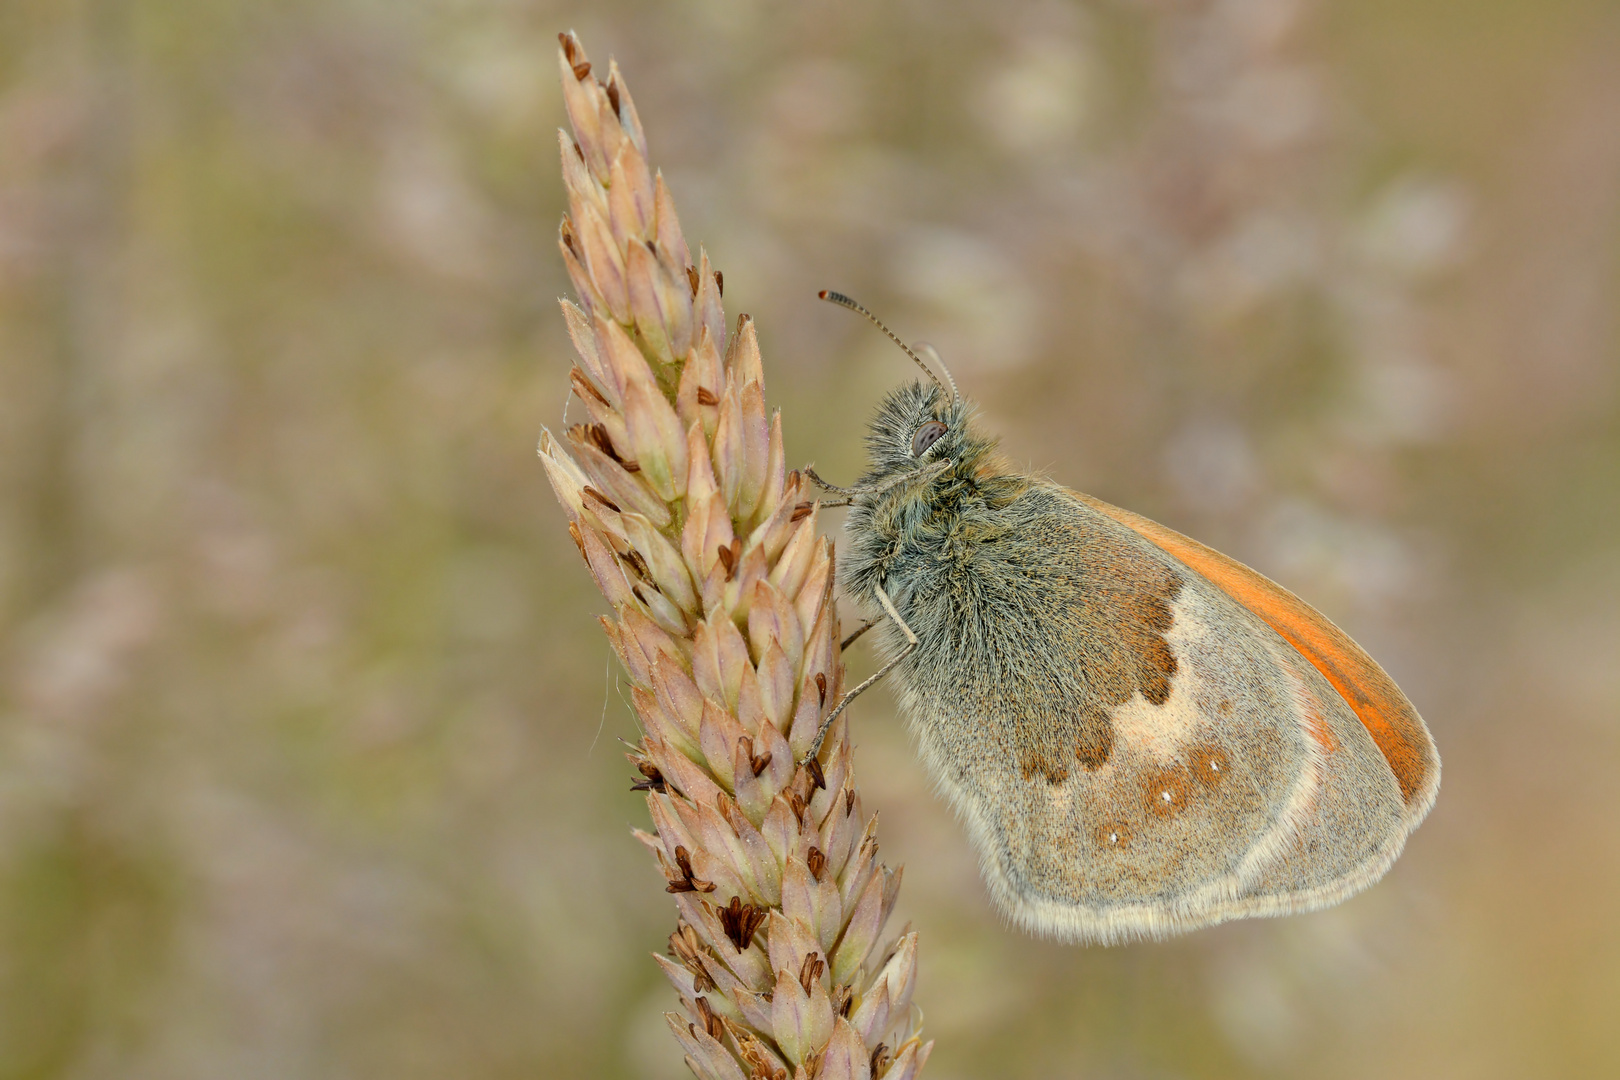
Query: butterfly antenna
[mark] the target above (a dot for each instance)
(843, 301)
(934, 358)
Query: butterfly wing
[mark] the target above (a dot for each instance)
(1134, 740)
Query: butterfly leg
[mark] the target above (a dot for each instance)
(922, 475)
(863, 628)
(911, 643)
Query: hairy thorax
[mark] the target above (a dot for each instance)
(1031, 620)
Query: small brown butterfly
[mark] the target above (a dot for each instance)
(1142, 735)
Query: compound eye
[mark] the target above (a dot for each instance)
(926, 436)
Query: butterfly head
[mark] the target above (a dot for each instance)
(916, 426)
(921, 443)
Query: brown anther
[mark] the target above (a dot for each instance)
(685, 947)
(843, 997)
(720, 283)
(579, 542)
(797, 804)
(758, 762)
(687, 882)
(591, 492)
(652, 779)
(568, 240)
(582, 70)
(584, 387)
(849, 801)
(598, 434)
(684, 944)
(739, 921)
(730, 558)
(692, 278)
(572, 53)
(613, 97)
(638, 564)
(577, 151)
(801, 511)
(705, 396)
(760, 1064)
(818, 779)
(811, 970)
(821, 687)
(880, 1058)
(711, 1022)
(816, 861)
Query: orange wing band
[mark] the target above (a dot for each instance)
(1389, 718)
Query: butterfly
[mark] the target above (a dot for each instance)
(1141, 735)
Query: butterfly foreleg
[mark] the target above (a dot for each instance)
(843, 703)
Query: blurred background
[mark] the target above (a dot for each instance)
(309, 760)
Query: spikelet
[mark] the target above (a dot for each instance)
(722, 591)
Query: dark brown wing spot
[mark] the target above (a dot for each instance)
(1080, 617)
(1209, 765)
(1165, 792)
(1096, 742)
(1036, 763)
(1126, 652)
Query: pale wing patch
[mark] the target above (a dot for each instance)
(1164, 732)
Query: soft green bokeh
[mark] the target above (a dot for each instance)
(308, 739)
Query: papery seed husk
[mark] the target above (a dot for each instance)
(644, 284)
(604, 260)
(630, 196)
(719, 733)
(860, 934)
(628, 117)
(701, 371)
(668, 225)
(679, 977)
(700, 481)
(742, 354)
(665, 564)
(707, 310)
(579, 98)
(846, 1055)
(582, 332)
(610, 478)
